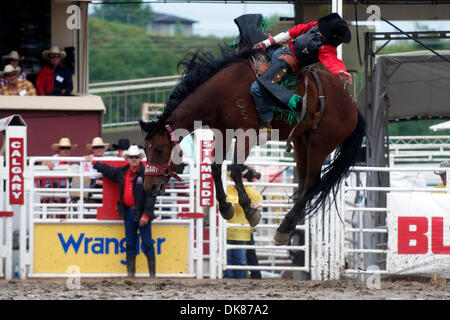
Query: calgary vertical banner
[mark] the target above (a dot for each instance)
(206, 178)
(16, 164)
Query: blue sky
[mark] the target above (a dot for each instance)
(217, 18)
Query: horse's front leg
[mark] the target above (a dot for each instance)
(253, 215)
(225, 208)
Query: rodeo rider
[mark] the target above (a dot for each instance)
(305, 44)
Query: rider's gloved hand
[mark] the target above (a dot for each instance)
(260, 46)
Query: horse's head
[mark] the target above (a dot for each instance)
(159, 147)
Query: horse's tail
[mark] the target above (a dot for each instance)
(345, 157)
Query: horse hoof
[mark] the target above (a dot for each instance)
(228, 212)
(282, 239)
(254, 217)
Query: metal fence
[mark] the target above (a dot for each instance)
(124, 99)
(366, 239)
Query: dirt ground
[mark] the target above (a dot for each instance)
(225, 289)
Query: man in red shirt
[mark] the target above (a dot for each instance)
(134, 205)
(306, 44)
(55, 79)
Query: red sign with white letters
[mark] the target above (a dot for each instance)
(16, 164)
(206, 177)
(418, 233)
(413, 238)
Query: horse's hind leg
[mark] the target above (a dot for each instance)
(315, 157)
(282, 235)
(225, 208)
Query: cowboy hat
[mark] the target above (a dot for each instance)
(97, 142)
(444, 164)
(133, 150)
(335, 29)
(13, 55)
(53, 50)
(63, 142)
(8, 69)
(123, 144)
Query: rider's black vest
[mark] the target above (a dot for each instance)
(306, 46)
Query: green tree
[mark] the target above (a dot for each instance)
(139, 14)
(272, 21)
(415, 128)
(119, 51)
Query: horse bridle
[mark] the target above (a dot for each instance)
(155, 169)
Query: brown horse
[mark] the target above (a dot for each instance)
(215, 92)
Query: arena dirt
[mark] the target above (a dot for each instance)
(226, 289)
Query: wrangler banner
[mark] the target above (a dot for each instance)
(100, 248)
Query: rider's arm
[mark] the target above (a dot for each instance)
(290, 34)
(328, 57)
(301, 29)
(279, 38)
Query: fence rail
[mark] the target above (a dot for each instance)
(124, 99)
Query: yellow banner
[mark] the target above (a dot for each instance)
(100, 248)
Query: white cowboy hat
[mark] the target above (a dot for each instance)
(133, 150)
(8, 69)
(13, 55)
(444, 164)
(53, 50)
(63, 142)
(97, 142)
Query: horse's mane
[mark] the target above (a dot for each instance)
(199, 67)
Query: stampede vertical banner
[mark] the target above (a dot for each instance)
(206, 178)
(16, 164)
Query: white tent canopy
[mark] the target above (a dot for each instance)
(404, 86)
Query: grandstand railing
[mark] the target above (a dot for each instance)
(124, 99)
(419, 149)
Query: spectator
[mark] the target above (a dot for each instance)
(250, 174)
(13, 59)
(56, 79)
(14, 87)
(134, 205)
(443, 174)
(121, 146)
(63, 148)
(239, 235)
(97, 148)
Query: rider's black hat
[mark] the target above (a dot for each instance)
(335, 29)
(123, 144)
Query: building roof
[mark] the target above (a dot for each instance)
(168, 18)
(56, 103)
